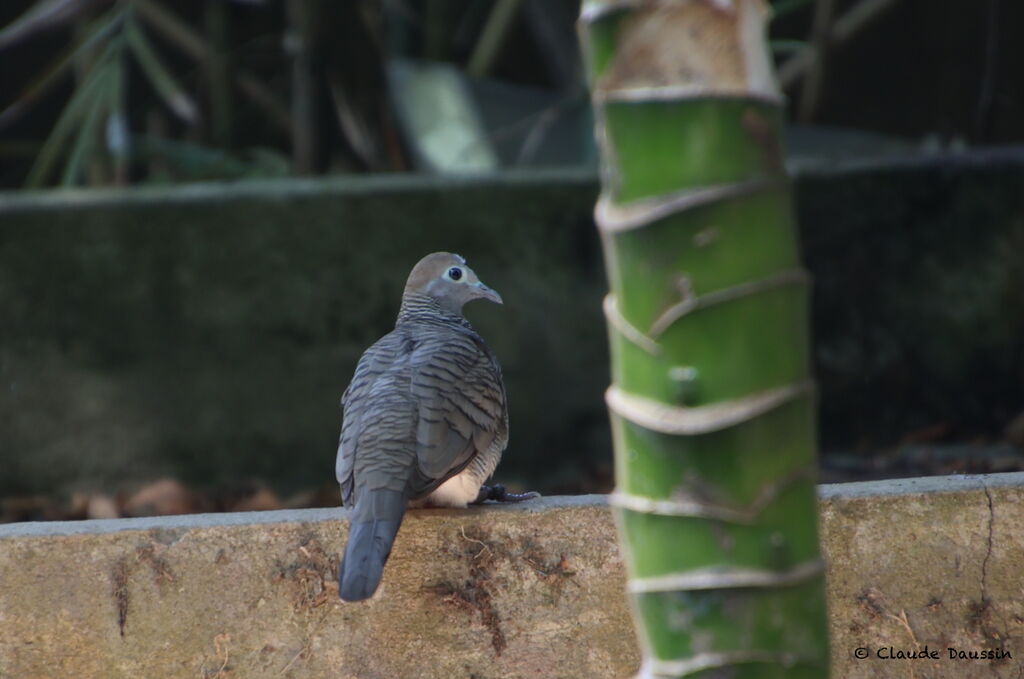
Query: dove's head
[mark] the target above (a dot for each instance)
(446, 278)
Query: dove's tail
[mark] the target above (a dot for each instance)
(375, 521)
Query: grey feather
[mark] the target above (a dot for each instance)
(426, 402)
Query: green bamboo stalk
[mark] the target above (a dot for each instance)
(712, 404)
(218, 72)
(302, 20)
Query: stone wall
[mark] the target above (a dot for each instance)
(527, 591)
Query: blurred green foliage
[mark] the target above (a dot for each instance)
(186, 91)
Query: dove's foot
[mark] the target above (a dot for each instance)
(497, 493)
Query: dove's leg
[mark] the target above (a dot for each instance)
(497, 493)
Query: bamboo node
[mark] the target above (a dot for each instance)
(703, 46)
(727, 578)
(627, 329)
(691, 301)
(595, 9)
(688, 504)
(615, 217)
(700, 662)
(680, 506)
(681, 420)
(669, 93)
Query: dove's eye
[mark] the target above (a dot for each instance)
(455, 273)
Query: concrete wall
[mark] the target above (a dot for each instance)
(534, 590)
(208, 331)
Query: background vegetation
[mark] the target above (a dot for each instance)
(144, 329)
(149, 91)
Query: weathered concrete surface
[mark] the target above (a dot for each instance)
(936, 562)
(527, 591)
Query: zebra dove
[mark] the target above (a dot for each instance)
(425, 419)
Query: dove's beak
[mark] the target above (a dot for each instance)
(484, 292)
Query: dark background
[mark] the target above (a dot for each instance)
(159, 328)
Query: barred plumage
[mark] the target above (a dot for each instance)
(425, 417)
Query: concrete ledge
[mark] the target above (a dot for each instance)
(527, 591)
(936, 562)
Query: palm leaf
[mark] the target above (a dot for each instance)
(159, 76)
(190, 43)
(86, 140)
(41, 16)
(50, 76)
(76, 108)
